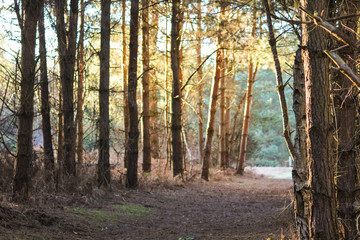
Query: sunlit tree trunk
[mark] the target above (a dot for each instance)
(227, 133)
(67, 50)
(176, 91)
(212, 107)
(154, 113)
(246, 121)
(80, 89)
(346, 107)
(200, 84)
(49, 161)
(104, 123)
(146, 87)
(222, 115)
(322, 216)
(132, 145)
(31, 12)
(125, 83)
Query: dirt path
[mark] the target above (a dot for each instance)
(224, 208)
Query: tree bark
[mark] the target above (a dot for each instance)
(80, 89)
(227, 133)
(146, 87)
(49, 161)
(222, 114)
(212, 107)
(133, 137)
(345, 103)
(154, 113)
(246, 122)
(67, 50)
(200, 84)
(176, 91)
(322, 216)
(125, 83)
(31, 13)
(104, 122)
(299, 172)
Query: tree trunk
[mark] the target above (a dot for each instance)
(176, 91)
(146, 87)
(125, 84)
(212, 106)
(133, 138)
(222, 115)
(227, 133)
(345, 103)
(80, 89)
(200, 84)
(49, 161)
(20, 187)
(322, 216)
(246, 122)
(299, 172)
(154, 113)
(67, 50)
(104, 123)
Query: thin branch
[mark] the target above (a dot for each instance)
(197, 69)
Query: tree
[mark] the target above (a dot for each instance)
(322, 216)
(146, 88)
(104, 145)
(28, 22)
(67, 51)
(222, 92)
(345, 103)
(176, 91)
(154, 112)
(49, 162)
(246, 121)
(212, 108)
(80, 89)
(132, 145)
(200, 84)
(125, 79)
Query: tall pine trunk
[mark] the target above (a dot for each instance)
(104, 145)
(125, 83)
(133, 137)
(154, 113)
(31, 13)
(146, 87)
(80, 89)
(67, 49)
(49, 161)
(212, 107)
(227, 132)
(322, 216)
(346, 107)
(176, 91)
(299, 172)
(246, 121)
(200, 84)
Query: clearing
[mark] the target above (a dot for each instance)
(227, 207)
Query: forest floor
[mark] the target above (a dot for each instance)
(227, 207)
